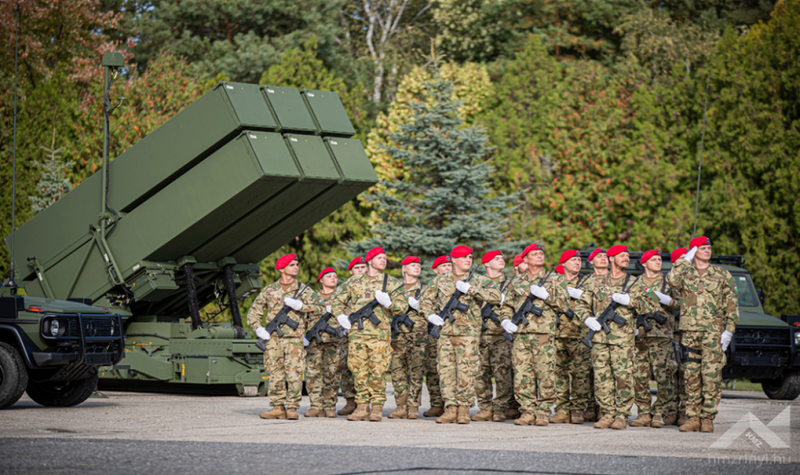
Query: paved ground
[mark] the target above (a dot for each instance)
(161, 433)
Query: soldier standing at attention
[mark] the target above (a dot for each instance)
(369, 352)
(408, 347)
(322, 360)
(709, 314)
(599, 261)
(533, 349)
(654, 349)
(356, 267)
(678, 406)
(573, 359)
(440, 265)
(613, 353)
(495, 354)
(459, 354)
(285, 356)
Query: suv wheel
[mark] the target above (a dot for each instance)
(62, 393)
(785, 388)
(13, 375)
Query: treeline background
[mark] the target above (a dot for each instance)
(594, 108)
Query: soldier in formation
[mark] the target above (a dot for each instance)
(441, 265)
(356, 267)
(322, 359)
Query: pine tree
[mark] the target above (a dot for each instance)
(53, 183)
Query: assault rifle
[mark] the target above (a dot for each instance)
(282, 318)
(488, 313)
(323, 326)
(452, 304)
(609, 315)
(571, 313)
(368, 310)
(403, 318)
(641, 320)
(521, 315)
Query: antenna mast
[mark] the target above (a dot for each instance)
(11, 271)
(700, 166)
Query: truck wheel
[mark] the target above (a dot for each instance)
(13, 375)
(62, 393)
(785, 388)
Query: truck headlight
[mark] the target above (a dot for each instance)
(54, 327)
(797, 339)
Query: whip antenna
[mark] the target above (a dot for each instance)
(11, 271)
(700, 166)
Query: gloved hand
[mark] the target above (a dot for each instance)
(725, 339)
(463, 286)
(502, 298)
(690, 255)
(383, 298)
(663, 298)
(508, 326)
(575, 293)
(413, 303)
(436, 320)
(327, 309)
(539, 292)
(344, 322)
(636, 332)
(306, 342)
(593, 324)
(294, 304)
(262, 333)
(622, 299)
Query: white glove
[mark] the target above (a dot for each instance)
(593, 324)
(622, 299)
(294, 304)
(327, 309)
(502, 298)
(575, 293)
(508, 326)
(413, 303)
(436, 320)
(539, 292)
(663, 298)
(636, 332)
(306, 342)
(383, 299)
(262, 333)
(725, 339)
(690, 255)
(344, 322)
(463, 286)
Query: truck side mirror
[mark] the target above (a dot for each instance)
(761, 295)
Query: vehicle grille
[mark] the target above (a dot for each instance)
(93, 327)
(762, 336)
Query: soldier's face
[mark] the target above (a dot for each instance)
(462, 264)
(497, 263)
(330, 280)
(358, 269)
(600, 261)
(378, 262)
(621, 260)
(704, 252)
(413, 269)
(292, 269)
(573, 265)
(535, 259)
(442, 268)
(653, 264)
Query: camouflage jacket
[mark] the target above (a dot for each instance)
(597, 296)
(420, 322)
(358, 291)
(270, 301)
(573, 328)
(326, 301)
(709, 300)
(519, 291)
(493, 328)
(657, 330)
(481, 291)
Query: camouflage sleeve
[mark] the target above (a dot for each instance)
(559, 295)
(340, 301)
(255, 317)
(399, 303)
(515, 295)
(675, 275)
(584, 306)
(487, 291)
(643, 299)
(428, 298)
(313, 305)
(730, 304)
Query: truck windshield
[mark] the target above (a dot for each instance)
(747, 294)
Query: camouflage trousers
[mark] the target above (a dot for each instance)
(322, 364)
(702, 374)
(432, 372)
(408, 366)
(459, 363)
(284, 361)
(534, 357)
(369, 359)
(655, 353)
(348, 386)
(613, 379)
(573, 376)
(495, 361)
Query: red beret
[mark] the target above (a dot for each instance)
(409, 260)
(326, 270)
(440, 260)
(699, 241)
(594, 253)
(489, 256)
(676, 254)
(357, 260)
(618, 249)
(647, 255)
(285, 261)
(461, 251)
(517, 260)
(567, 255)
(532, 247)
(559, 269)
(374, 252)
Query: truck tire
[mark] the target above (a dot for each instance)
(62, 393)
(13, 375)
(785, 388)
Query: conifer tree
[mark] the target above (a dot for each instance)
(53, 182)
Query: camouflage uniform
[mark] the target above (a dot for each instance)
(432, 371)
(369, 351)
(574, 389)
(408, 354)
(533, 350)
(613, 353)
(654, 350)
(284, 358)
(458, 350)
(348, 385)
(709, 305)
(322, 365)
(495, 361)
